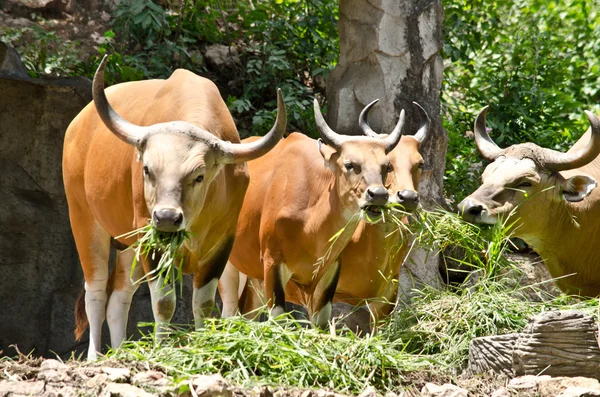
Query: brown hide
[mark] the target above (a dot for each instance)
(373, 255)
(103, 179)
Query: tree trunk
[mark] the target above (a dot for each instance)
(390, 50)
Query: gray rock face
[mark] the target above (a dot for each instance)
(10, 63)
(41, 275)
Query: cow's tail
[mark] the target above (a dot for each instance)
(81, 320)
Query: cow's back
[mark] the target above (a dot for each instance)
(102, 172)
(279, 208)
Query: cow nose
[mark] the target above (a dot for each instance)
(470, 209)
(377, 195)
(167, 219)
(409, 199)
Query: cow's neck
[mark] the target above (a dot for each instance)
(563, 240)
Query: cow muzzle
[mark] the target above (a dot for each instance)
(375, 198)
(409, 199)
(167, 219)
(473, 211)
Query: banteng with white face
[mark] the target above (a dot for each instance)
(552, 199)
(180, 165)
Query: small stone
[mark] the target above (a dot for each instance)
(53, 364)
(117, 374)
(369, 392)
(526, 382)
(574, 391)
(445, 390)
(105, 16)
(96, 381)
(123, 390)
(148, 377)
(307, 393)
(9, 388)
(554, 386)
(501, 392)
(209, 386)
(91, 23)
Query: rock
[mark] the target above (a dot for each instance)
(445, 390)
(555, 386)
(8, 388)
(123, 390)
(96, 381)
(526, 382)
(356, 319)
(221, 57)
(208, 386)
(117, 374)
(53, 371)
(579, 392)
(501, 392)
(34, 4)
(369, 392)
(148, 377)
(10, 63)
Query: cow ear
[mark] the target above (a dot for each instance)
(578, 187)
(327, 152)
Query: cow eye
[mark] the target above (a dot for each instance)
(146, 170)
(349, 166)
(421, 165)
(389, 168)
(525, 184)
(199, 178)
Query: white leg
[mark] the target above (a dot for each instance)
(119, 302)
(321, 318)
(203, 301)
(95, 305)
(163, 305)
(230, 286)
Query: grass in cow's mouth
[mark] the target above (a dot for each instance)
(166, 246)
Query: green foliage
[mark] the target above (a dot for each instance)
(536, 63)
(48, 56)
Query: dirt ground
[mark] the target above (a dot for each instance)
(47, 377)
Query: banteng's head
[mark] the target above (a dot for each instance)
(524, 179)
(361, 165)
(407, 162)
(179, 159)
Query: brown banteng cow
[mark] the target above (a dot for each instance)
(552, 199)
(180, 165)
(295, 204)
(372, 258)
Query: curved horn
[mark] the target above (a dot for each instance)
(485, 144)
(392, 140)
(557, 161)
(423, 130)
(330, 137)
(123, 129)
(362, 121)
(240, 152)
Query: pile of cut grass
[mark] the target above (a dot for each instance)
(282, 352)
